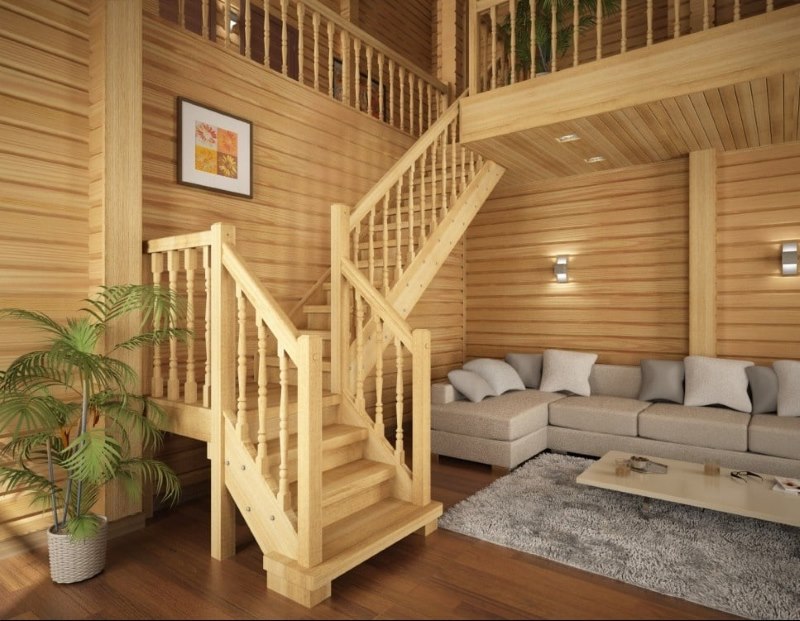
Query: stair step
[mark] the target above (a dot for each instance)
(320, 309)
(325, 334)
(333, 437)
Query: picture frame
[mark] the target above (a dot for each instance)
(215, 149)
(373, 92)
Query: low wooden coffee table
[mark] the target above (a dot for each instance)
(687, 484)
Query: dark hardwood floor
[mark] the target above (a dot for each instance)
(165, 572)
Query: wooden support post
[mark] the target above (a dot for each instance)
(446, 35)
(340, 248)
(474, 84)
(702, 253)
(421, 416)
(223, 395)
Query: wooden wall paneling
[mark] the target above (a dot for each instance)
(702, 253)
(758, 207)
(404, 25)
(626, 233)
(44, 184)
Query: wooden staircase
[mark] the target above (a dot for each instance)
(307, 426)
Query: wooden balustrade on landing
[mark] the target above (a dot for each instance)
(306, 41)
(581, 30)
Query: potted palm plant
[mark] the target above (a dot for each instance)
(76, 422)
(587, 18)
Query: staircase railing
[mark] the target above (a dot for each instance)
(308, 42)
(253, 411)
(515, 40)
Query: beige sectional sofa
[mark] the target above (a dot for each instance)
(508, 429)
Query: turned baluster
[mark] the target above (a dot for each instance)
(204, 9)
(356, 238)
(471, 165)
(398, 448)
(737, 10)
(226, 16)
(182, 14)
(190, 386)
(330, 30)
(454, 170)
(301, 15)
(429, 90)
(345, 46)
(357, 74)
(423, 169)
(533, 38)
(398, 260)
(411, 207)
(385, 249)
(553, 37)
(420, 103)
(391, 92)
(360, 401)
(371, 249)
(650, 22)
(599, 29)
(493, 19)
(705, 15)
(261, 457)
(284, 38)
(434, 186)
(157, 382)
(770, 5)
(513, 15)
(315, 31)
(284, 498)
(444, 173)
(623, 43)
(381, 102)
(379, 377)
(575, 32)
(266, 33)
(411, 103)
(368, 55)
(401, 78)
(247, 30)
(173, 383)
(463, 168)
(241, 368)
(676, 29)
(207, 374)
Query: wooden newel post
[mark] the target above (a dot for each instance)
(340, 318)
(421, 416)
(309, 451)
(223, 393)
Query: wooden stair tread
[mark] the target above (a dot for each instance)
(325, 334)
(273, 398)
(333, 437)
(274, 362)
(317, 308)
(349, 479)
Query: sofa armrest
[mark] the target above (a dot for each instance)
(444, 392)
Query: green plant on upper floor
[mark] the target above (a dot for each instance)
(70, 409)
(587, 18)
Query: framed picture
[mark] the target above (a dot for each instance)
(215, 149)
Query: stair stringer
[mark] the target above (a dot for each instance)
(377, 447)
(265, 517)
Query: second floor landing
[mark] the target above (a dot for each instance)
(731, 87)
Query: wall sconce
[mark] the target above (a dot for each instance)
(789, 258)
(560, 268)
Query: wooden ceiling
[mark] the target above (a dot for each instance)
(758, 112)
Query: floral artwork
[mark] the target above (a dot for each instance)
(214, 149)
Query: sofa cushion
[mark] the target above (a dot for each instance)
(763, 388)
(567, 370)
(614, 415)
(528, 367)
(500, 375)
(615, 380)
(716, 428)
(778, 436)
(662, 380)
(507, 417)
(712, 381)
(788, 372)
(470, 384)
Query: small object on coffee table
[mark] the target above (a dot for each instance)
(647, 465)
(622, 467)
(711, 466)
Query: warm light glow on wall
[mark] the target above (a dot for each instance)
(560, 268)
(789, 259)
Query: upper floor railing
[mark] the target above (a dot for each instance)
(307, 42)
(516, 40)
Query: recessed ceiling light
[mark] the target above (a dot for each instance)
(568, 138)
(595, 159)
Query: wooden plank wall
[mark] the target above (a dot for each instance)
(625, 232)
(404, 25)
(758, 207)
(44, 182)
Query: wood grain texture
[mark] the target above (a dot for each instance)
(625, 233)
(703, 253)
(758, 207)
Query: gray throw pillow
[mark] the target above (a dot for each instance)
(500, 375)
(528, 367)
(764, 389)
(712, 381)
(662, 380)
(788, 372)
(567, 371)
(470, 384)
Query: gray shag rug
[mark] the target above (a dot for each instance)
(743, 566)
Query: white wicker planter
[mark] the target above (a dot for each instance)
(73, 561)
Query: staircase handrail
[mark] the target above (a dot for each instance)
(402, 165)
